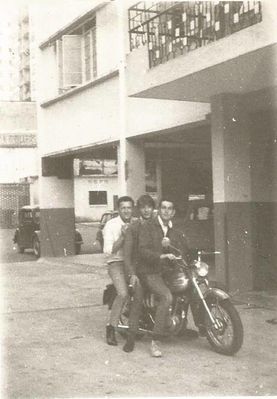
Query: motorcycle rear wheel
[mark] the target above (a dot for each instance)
(228, 339)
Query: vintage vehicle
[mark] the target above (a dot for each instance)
(27, 235)
(99, 242)
(212, 309)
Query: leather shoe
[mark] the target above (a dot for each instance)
(110, 335)
(130, 343)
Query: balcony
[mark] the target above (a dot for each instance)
(171, 29)
(237, 57)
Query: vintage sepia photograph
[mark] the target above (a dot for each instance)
(138, 199)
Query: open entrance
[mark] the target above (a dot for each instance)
(179, 167)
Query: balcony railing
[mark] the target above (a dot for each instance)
(170, 29)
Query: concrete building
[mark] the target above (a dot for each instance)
(18, 159)
(185, 89)
(9, 60)
(95, 188)
(18, 130)
(27, 56)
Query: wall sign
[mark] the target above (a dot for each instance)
(18, 140)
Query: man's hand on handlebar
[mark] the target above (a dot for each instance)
(134, 280)
(169, 257)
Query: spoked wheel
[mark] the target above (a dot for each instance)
(227, 337)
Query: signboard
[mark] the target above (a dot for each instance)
(18, 140)
(89, 167)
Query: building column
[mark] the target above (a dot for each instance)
(57, 219)
(131, 169)
(230, 131)
(135, 169)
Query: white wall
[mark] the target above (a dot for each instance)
(16, 163)
(34, 199)
(87, 117)
(107, 39)
(82, 186)
(146, 115)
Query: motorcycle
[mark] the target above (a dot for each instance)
(212, 310)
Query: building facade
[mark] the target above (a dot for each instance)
(180, 93)
(18, 158)
(9, 60)
(27, 56)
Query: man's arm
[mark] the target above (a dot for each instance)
(111, 246)
(118, 244)
(128, 251)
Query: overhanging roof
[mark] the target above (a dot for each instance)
(97, 150)
(72, 25)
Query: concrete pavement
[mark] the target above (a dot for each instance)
(53, 325)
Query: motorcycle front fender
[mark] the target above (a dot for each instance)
(198, 309)
(216, 293)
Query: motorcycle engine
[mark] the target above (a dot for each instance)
(176, 324)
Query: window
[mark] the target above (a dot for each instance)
(106, 167)
(98, 198)
(26, 216)
(76, 56)
(151, 176)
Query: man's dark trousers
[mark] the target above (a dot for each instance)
(135, 308)
(156, 284)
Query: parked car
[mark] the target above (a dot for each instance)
(108, 215)
(27, 234)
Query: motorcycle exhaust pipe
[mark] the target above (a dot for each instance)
(140, 330)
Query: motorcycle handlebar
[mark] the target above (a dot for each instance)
(203, 252)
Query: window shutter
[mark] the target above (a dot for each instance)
(72, 60)
(87, 55)
(94, 62)
(59, 50)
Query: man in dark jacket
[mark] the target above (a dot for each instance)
(154, 257)
(145, 205)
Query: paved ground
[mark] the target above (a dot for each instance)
(9, 253)
(8, 250)
(53, 342)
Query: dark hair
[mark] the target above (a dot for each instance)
(145, 199)
(168, 199)
(125, 198)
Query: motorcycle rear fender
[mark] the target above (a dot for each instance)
(216, 293)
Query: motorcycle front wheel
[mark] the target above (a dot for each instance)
(227, 337)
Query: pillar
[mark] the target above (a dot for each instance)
(131, 167)
(135, 169)
(230, 133)
(56, 196)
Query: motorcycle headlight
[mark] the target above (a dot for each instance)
(201, 268)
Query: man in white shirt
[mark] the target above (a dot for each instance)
(114, 234)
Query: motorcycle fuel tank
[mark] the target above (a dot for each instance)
(177, 282)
